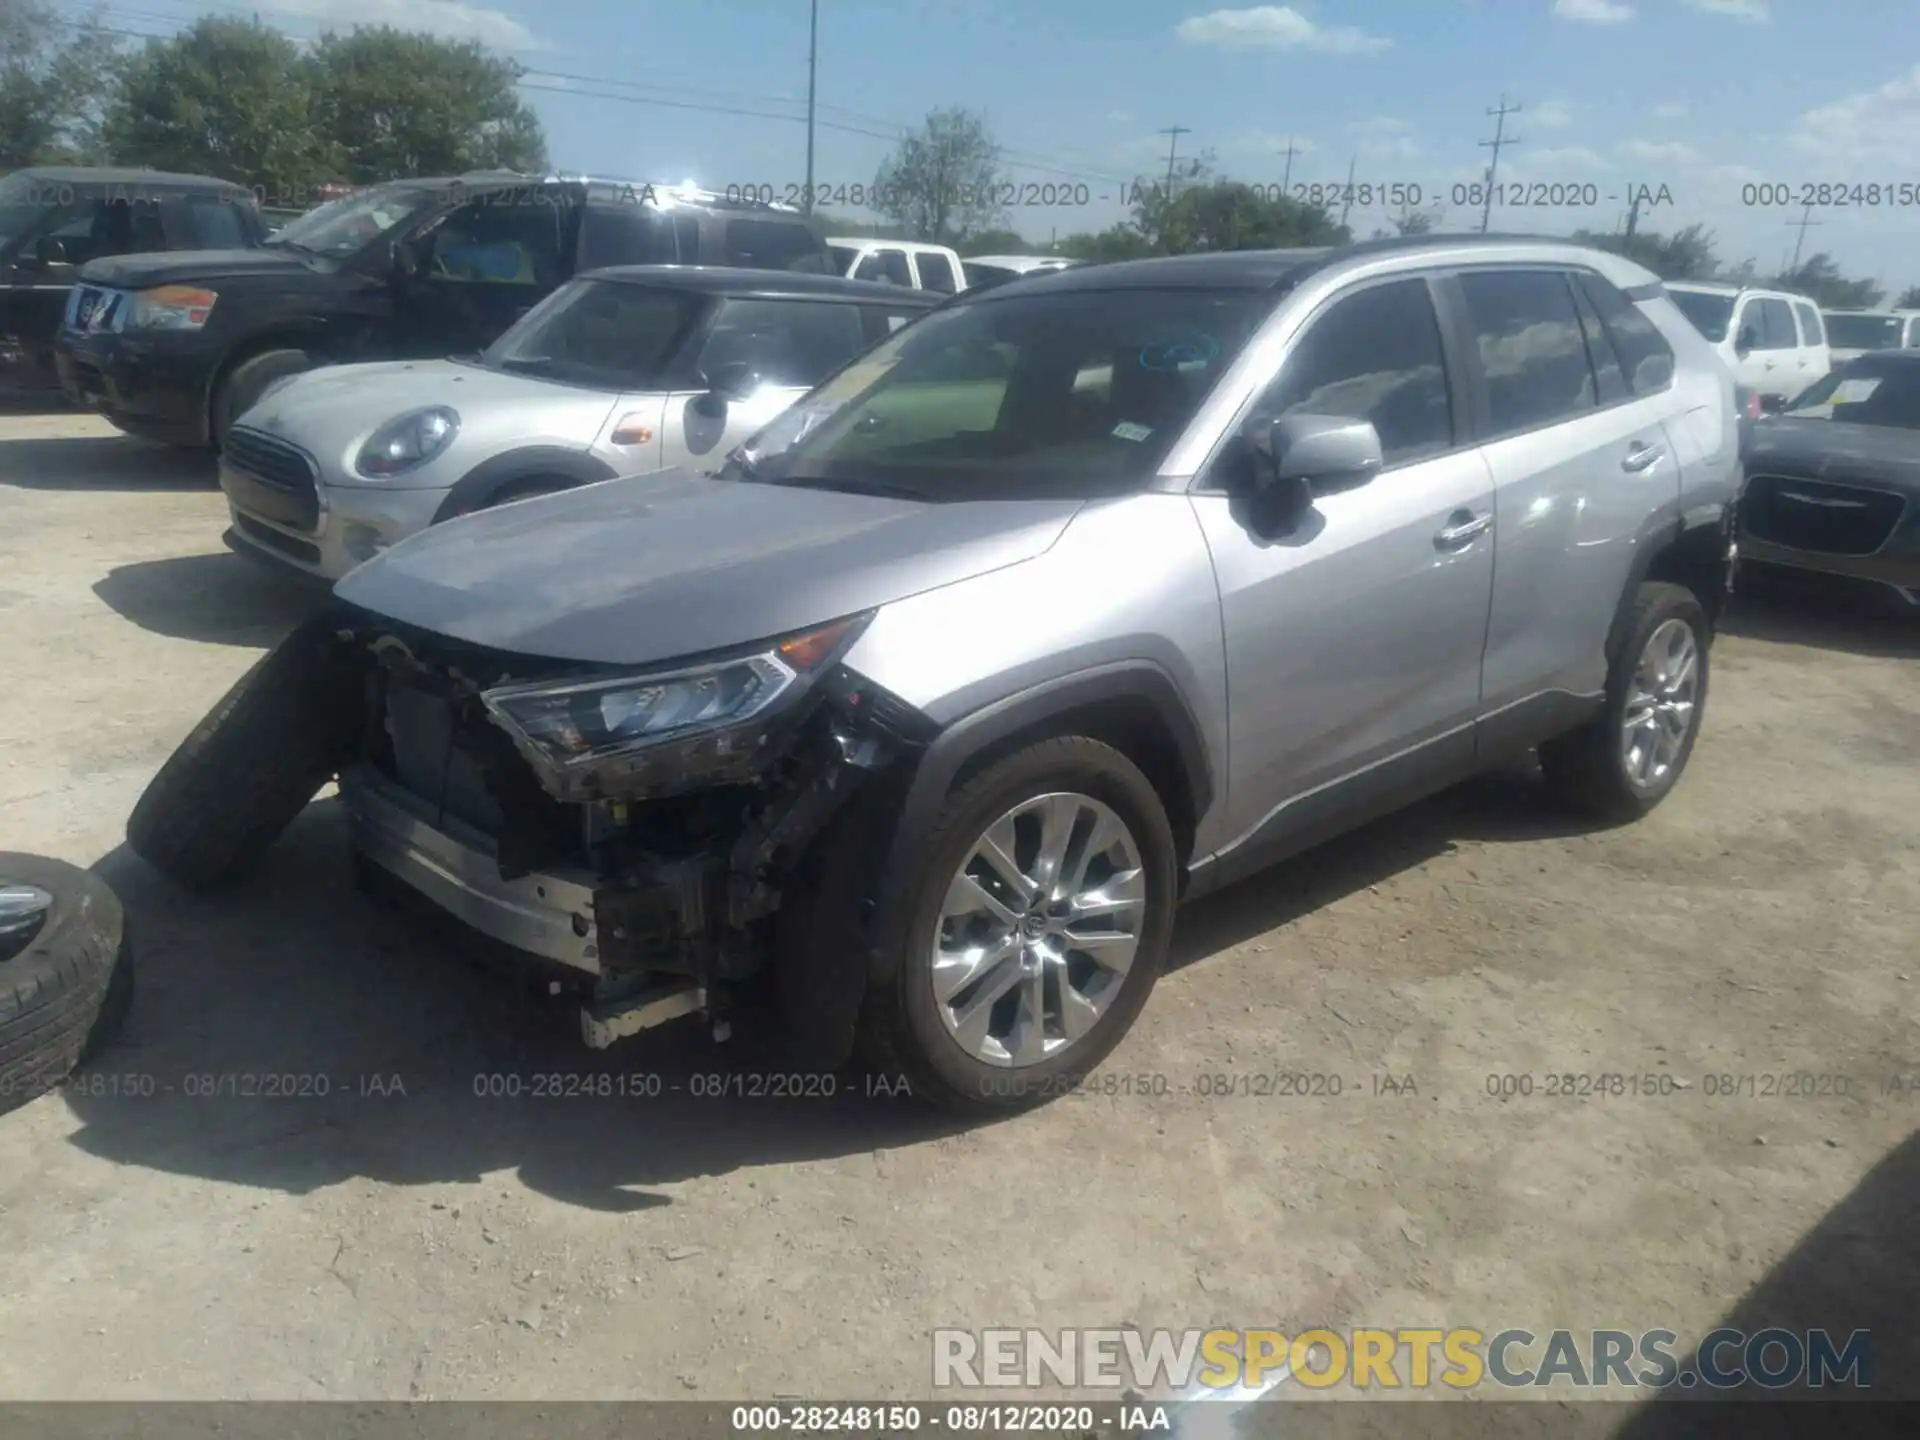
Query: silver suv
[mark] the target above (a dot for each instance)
(1071, 600)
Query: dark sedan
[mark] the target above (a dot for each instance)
(1833, 481)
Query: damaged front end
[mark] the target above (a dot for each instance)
(636, 828)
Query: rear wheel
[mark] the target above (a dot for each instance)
(1629, 757)
(1039, 918)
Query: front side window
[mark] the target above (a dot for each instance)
(844, 257)
(1766, 325)
(603, 333)
(935, 272)
(1531, 347)
(626, 235)
(1811, 332)
(513, 238)
(91, 229)
(215, 224)
(1373, 355)
(990, 399)
(785, 342)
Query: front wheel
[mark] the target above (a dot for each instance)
(241, 389)
(1629, 757)
(1037, 923)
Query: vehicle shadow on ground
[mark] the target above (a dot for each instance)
(1508, 804)
(219, 599)
(404, 1058)
(103, 462)
(1788, 613)
(1858, 1269)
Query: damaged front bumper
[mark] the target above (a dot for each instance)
(653, 895)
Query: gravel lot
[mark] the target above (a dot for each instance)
(434, 1243)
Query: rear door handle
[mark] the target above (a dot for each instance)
(1641, 456)
(1462, 526)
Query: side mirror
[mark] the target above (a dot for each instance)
(406, 260)
(50, 255)
(1298, 458)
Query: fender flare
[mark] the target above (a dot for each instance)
(946, 756)
(474, 489)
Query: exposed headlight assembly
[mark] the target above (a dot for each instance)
(170, 307)
(659, 732)
(407, 442)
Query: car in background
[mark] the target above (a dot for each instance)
(1853, 333)
(910, 263)
(1771, 340)
(619, 371)
(997, 269)
(927, 710)
(1833, 482)
(176, 348)
(56, 219)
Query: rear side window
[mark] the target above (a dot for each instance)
(935, 272)
(214, 224)
(626, 235)
(1811, 332)
(789, 342)
(1767, 325)
(1643, 351)
(1531, 347)
(1373, 355)
(774, 245)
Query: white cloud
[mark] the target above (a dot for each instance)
(1551, 114)
(1753, 11)
(1564, 157)
(1660, 152)
(1670, 110)
(1271, 144)
(1119, 117)
(1881, 124)
(1380, 127)
(1276, 27)
(1593, 12)
(1391, 147)
(454, 19)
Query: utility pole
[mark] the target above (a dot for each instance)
(1173, 134)
(1497, 144)
(1633, 220)
(813, 51)
(1346, 203)
(1286, 178)
(1805, 223)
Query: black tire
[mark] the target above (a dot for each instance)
(1587, 768)
(240, 388)
(252, 765)
(525, 489)
(67, 992)
(901, 1033)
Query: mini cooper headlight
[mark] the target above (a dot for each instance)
(407, 442)
(681, 723)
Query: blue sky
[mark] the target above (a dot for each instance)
(1702, 96)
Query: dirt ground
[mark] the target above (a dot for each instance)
(404, 1236)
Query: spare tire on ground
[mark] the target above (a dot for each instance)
(66, 973)
(252, 765)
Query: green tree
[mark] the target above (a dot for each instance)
(942, 182)
(1117, 242)
(224, 97)
(55, 79)
(1684, 255)
(998, 242)
(394, 103)
(1229, 215)
(1819, 279)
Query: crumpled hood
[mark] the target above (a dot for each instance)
(654, 567)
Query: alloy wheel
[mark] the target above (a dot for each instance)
(1040, 926)
(1662, 704)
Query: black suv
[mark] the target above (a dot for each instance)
(174, 348)
(55, 219)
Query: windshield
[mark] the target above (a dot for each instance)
(1862, 332)
(342, 227)
(1708, 312)
(1064, 394)
(1866, 392)
(603, 333)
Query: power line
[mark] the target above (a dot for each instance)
(813, 51)
(1498, 143)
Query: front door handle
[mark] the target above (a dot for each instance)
(1461, 527)
(1641, 456)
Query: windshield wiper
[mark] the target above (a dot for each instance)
(530, 364)
(855, 487)
(281, 243)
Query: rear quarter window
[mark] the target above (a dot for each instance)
(1643, 351)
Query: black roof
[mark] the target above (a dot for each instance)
(121, 176)
(767, 284)
(1242, 269)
